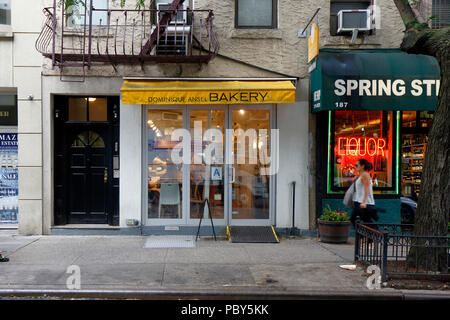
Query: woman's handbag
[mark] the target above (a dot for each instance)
(348, 198)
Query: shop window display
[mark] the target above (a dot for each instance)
(164, 176)
(415, 126)
(362, 134)
(413, 153)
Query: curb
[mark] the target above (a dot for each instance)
(222, 295)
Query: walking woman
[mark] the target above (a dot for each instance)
(363, 195)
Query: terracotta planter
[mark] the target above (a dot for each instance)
(333, 231)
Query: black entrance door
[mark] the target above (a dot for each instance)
(86, 160)
(88, 172)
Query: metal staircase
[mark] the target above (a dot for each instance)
(163, 23)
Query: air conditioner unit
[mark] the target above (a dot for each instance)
(349, 20)
(181, 14)
(173, 45)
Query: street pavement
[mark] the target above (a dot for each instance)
(122, 263)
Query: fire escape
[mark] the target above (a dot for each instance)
(77, 39)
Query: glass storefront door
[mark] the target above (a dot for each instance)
(250, 181)
(239, 189)
(207, 170)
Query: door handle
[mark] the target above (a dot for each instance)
(105, 176)
(233, 175)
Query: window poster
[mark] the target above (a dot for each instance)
(8, 178)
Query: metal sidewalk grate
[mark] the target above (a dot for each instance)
(170, 242)
(252, 234)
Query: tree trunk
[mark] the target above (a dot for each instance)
(406, 12)
(432, 215)
(433, 208)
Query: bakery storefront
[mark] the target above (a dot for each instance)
(378, 105)
(200, 139)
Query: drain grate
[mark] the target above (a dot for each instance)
(170, 242)
(253, 234)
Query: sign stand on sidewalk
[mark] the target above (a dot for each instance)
(210, 218)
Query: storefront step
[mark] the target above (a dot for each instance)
(90, 229)
(142, 230)
(205, 231)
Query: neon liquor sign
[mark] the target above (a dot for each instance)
(361, 146)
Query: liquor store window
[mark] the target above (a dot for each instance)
(362, 134)
(414, 139)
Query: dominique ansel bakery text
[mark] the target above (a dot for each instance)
(389, 87)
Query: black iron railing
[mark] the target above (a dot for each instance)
(398, 252)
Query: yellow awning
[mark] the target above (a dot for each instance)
(207, 92)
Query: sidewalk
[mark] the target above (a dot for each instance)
(121, 263)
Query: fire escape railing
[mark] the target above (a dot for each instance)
(128, 37)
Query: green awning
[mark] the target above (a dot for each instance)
(374, 79)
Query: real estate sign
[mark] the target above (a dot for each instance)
(8, 178)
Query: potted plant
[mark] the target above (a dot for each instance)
(334, 226)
